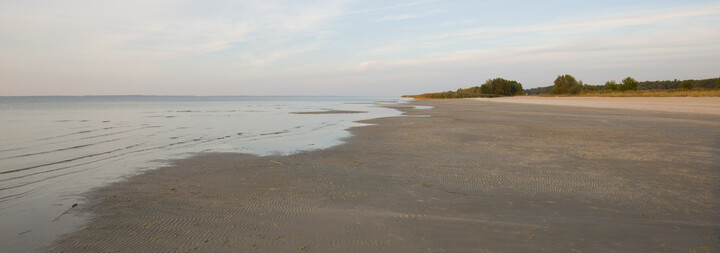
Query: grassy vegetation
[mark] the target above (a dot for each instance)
(448, 95)
(698, 92)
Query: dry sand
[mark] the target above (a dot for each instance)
(703, 105)
(475, 177)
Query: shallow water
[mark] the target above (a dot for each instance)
(53, 149)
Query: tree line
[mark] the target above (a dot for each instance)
(567, 84)
(491, 88)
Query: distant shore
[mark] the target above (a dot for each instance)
(702, 105)
(474, 176)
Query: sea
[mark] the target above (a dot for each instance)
(53, 150)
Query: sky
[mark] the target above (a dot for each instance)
(345, 47)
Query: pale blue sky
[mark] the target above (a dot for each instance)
(345, 47)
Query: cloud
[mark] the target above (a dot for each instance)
(584, 25)
(188, 37)
(388, 7)
(407, 16)
(400, 17)
(46, 45)
(673, 46)
(259, 61)
(162, 26)
(169, 45)
(630, 48)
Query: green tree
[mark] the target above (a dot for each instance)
(611, 85)
(566, 84)
(687, 84)
(502, 87)
(590, 88)
(468, 92)
(718, 83)
(629, 84)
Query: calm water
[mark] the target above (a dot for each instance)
(53, 149)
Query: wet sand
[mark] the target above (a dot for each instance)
(477, 176)
(329, 112)
(703, 105)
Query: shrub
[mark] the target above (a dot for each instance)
(590, 88)
(629, 84)
(502, 87)
(611, 85)
(687, 84)
(566, 84)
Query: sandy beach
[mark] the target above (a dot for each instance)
(475, 176)
(703, 105)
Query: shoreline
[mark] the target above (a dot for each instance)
(55, 150)
(474, 176)
(701, 105)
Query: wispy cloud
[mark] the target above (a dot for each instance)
(400, 17)
(263, 60)
(386, 8)
(48, 45)
(189, 37)
(407, 16)
(588, 59)
(600, 23)
(584, 25)
(156, 27)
